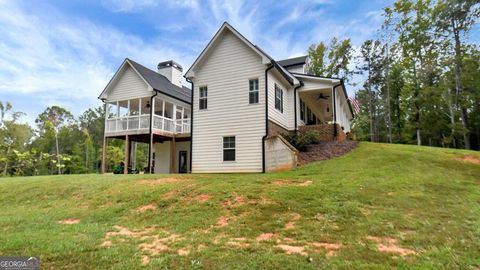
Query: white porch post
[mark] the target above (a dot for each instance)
(163, 114)
(128, 112)
(183, 117)
(174, 117)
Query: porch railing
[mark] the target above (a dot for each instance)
(142, 122)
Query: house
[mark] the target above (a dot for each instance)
(232, 121)
(150, 107)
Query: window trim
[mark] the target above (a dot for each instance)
(202, 98)
(253, 91)
(234, 148)
(280, 99)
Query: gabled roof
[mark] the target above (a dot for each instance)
(161, 84)
(296, 61)
(266, 59)
(156, 81)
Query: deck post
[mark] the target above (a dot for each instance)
(150, 158)
(104, 154)
(172, 154)
(127, 154)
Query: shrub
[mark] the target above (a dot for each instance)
(301, 140)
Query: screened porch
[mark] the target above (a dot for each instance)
(134, 115)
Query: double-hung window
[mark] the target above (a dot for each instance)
(229, 148)
(202, 99)
(253, 91)
(278, 98)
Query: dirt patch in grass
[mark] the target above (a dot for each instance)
(163, 181)
(152, 242)
(293, 249)
(203, 198)
(123, 232)
(222, 222)
(159, 244)
(236, 202)
(389, 245)
(169, 194)
(264, 237)
(69, 221)
(285, 182)
(291, 224)
(240, 242)
(330, 247)
(145, 208)
(471, 159)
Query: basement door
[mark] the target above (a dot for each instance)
(182, 162)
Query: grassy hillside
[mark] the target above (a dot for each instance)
(379, 207)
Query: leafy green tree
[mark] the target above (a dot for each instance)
(453, 20)
(55, 117)
(331, 61)
(13, 135)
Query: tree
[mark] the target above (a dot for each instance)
(13, 135)
(331, 61)
(372, 63)
(55, 117)
(454, 19)
(418, 48)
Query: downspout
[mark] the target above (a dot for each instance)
(270, 66)
(191, 121)
(335, 109)
(150, 133)
(295, 104)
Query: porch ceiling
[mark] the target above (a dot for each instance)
(319, 105)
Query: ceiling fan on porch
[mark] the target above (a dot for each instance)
(322, 96)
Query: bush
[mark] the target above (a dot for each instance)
(301, 140)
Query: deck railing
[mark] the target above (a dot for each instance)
(142, 122)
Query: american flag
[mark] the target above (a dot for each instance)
(354, 102)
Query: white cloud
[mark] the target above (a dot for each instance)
(139, 5)
(66, 62)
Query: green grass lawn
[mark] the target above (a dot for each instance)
(379, 207)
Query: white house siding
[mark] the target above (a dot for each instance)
(128, 85)
(226, 71)
(284, 119)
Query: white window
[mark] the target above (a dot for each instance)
(202, 99)
(253, 91)
(278, 98)
(229, 148)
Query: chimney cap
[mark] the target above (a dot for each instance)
(170, 63)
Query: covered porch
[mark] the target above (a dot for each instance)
(132, 116)
(161, 122)
(324, 101)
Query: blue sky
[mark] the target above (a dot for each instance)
(64, 52)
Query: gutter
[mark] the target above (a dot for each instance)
(295, 103)
(191, 122)
(335, 109)
(266, 116)
(150, 133)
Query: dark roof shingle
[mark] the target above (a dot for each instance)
(293, 61)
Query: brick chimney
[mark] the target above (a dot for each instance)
(172, 70)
